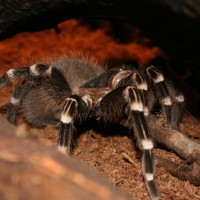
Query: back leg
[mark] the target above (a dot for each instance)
(130, 99)
(16, 100)
(178, 105)
(170, 98)
(22, 72)
(18, 73)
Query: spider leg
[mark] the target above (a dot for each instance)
(178, 105)
(15, 101)
(140, 83)
(145, 143)
(73, 105)
(131, 98)
(31, 75)
(170, 98)
(134, 78)
(36, 71)
(22, 72)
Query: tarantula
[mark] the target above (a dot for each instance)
(68, 91)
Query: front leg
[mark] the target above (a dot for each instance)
(130, 99)
(72, 107)
(31, 77)
(36, 71)
(140, 127)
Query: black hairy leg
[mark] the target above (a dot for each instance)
(16, 99)
(33, 77)
(130, 99)
(144, 140)
(72, 107)
(170, 98)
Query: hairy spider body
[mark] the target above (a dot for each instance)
(69, 90)
(49, 96)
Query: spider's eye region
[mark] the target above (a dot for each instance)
(155, 75)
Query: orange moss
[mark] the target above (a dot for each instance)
(29, 47)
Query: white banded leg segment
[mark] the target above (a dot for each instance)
(139, 81)
(137, 117)
(155, 74)
(177, 110)
(162, 91)
(88, 100)
(145, 143)
(148, 171)
(65, 140)
(141, 130)
(69, 111)
(146, 111)
(164, 99)
(147, 159)
(144, 96)
(133, 97)
(178, 106)
(153, 189)
(67, 129)
(15, 101)
(12, 109)
(148, 167)
(141, 84)
(12, 74)
(161, 88)
(40, 70)
(179, 98)
(119, 77)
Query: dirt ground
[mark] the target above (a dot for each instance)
(114, 156)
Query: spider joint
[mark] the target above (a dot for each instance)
(11, 73)
(147, 144)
